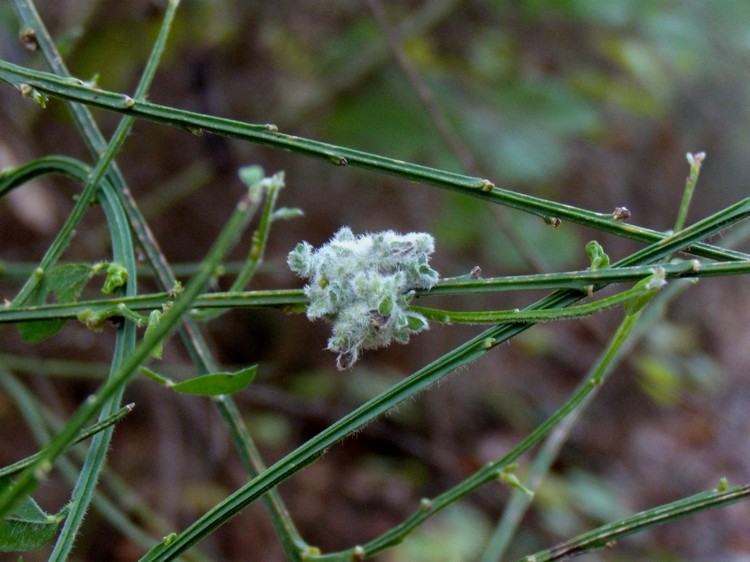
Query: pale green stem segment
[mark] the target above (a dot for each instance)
(695, 161)
(644, 289)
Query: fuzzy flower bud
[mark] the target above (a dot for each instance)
(363, 284)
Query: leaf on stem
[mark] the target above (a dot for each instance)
(214, 384)
(649, 287)
(598, 257)
(66, 282)
(27, 526)
(117, 276)
(153, 321)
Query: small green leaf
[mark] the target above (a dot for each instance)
(251, 175)
(597, 255)
(286, 213)
(386, 306)
(66, 281)
(27, 526)
(507, 475)
(208, 385)
(117, 276)
(34, 332)
(217, 383)
(648, 289)
(153, 321)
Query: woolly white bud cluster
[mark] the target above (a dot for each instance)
(363, 284)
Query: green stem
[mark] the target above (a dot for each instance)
(294, 300)
(695, 161)
(108, 421)
(258, 242)
(495, 316)
(267, 134)
(606, 535)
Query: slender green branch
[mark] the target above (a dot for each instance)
(259, 239)
(271, 188)
(267, 134)
(293, 300)
(695, 161)
(108, 421)
(569, 312)
(606, 535)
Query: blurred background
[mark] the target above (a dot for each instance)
(581, 101)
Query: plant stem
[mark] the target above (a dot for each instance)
(267, 134)
(494, 316)
(606, 535)
(695, 160)
(293, 300)
(108, 421)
